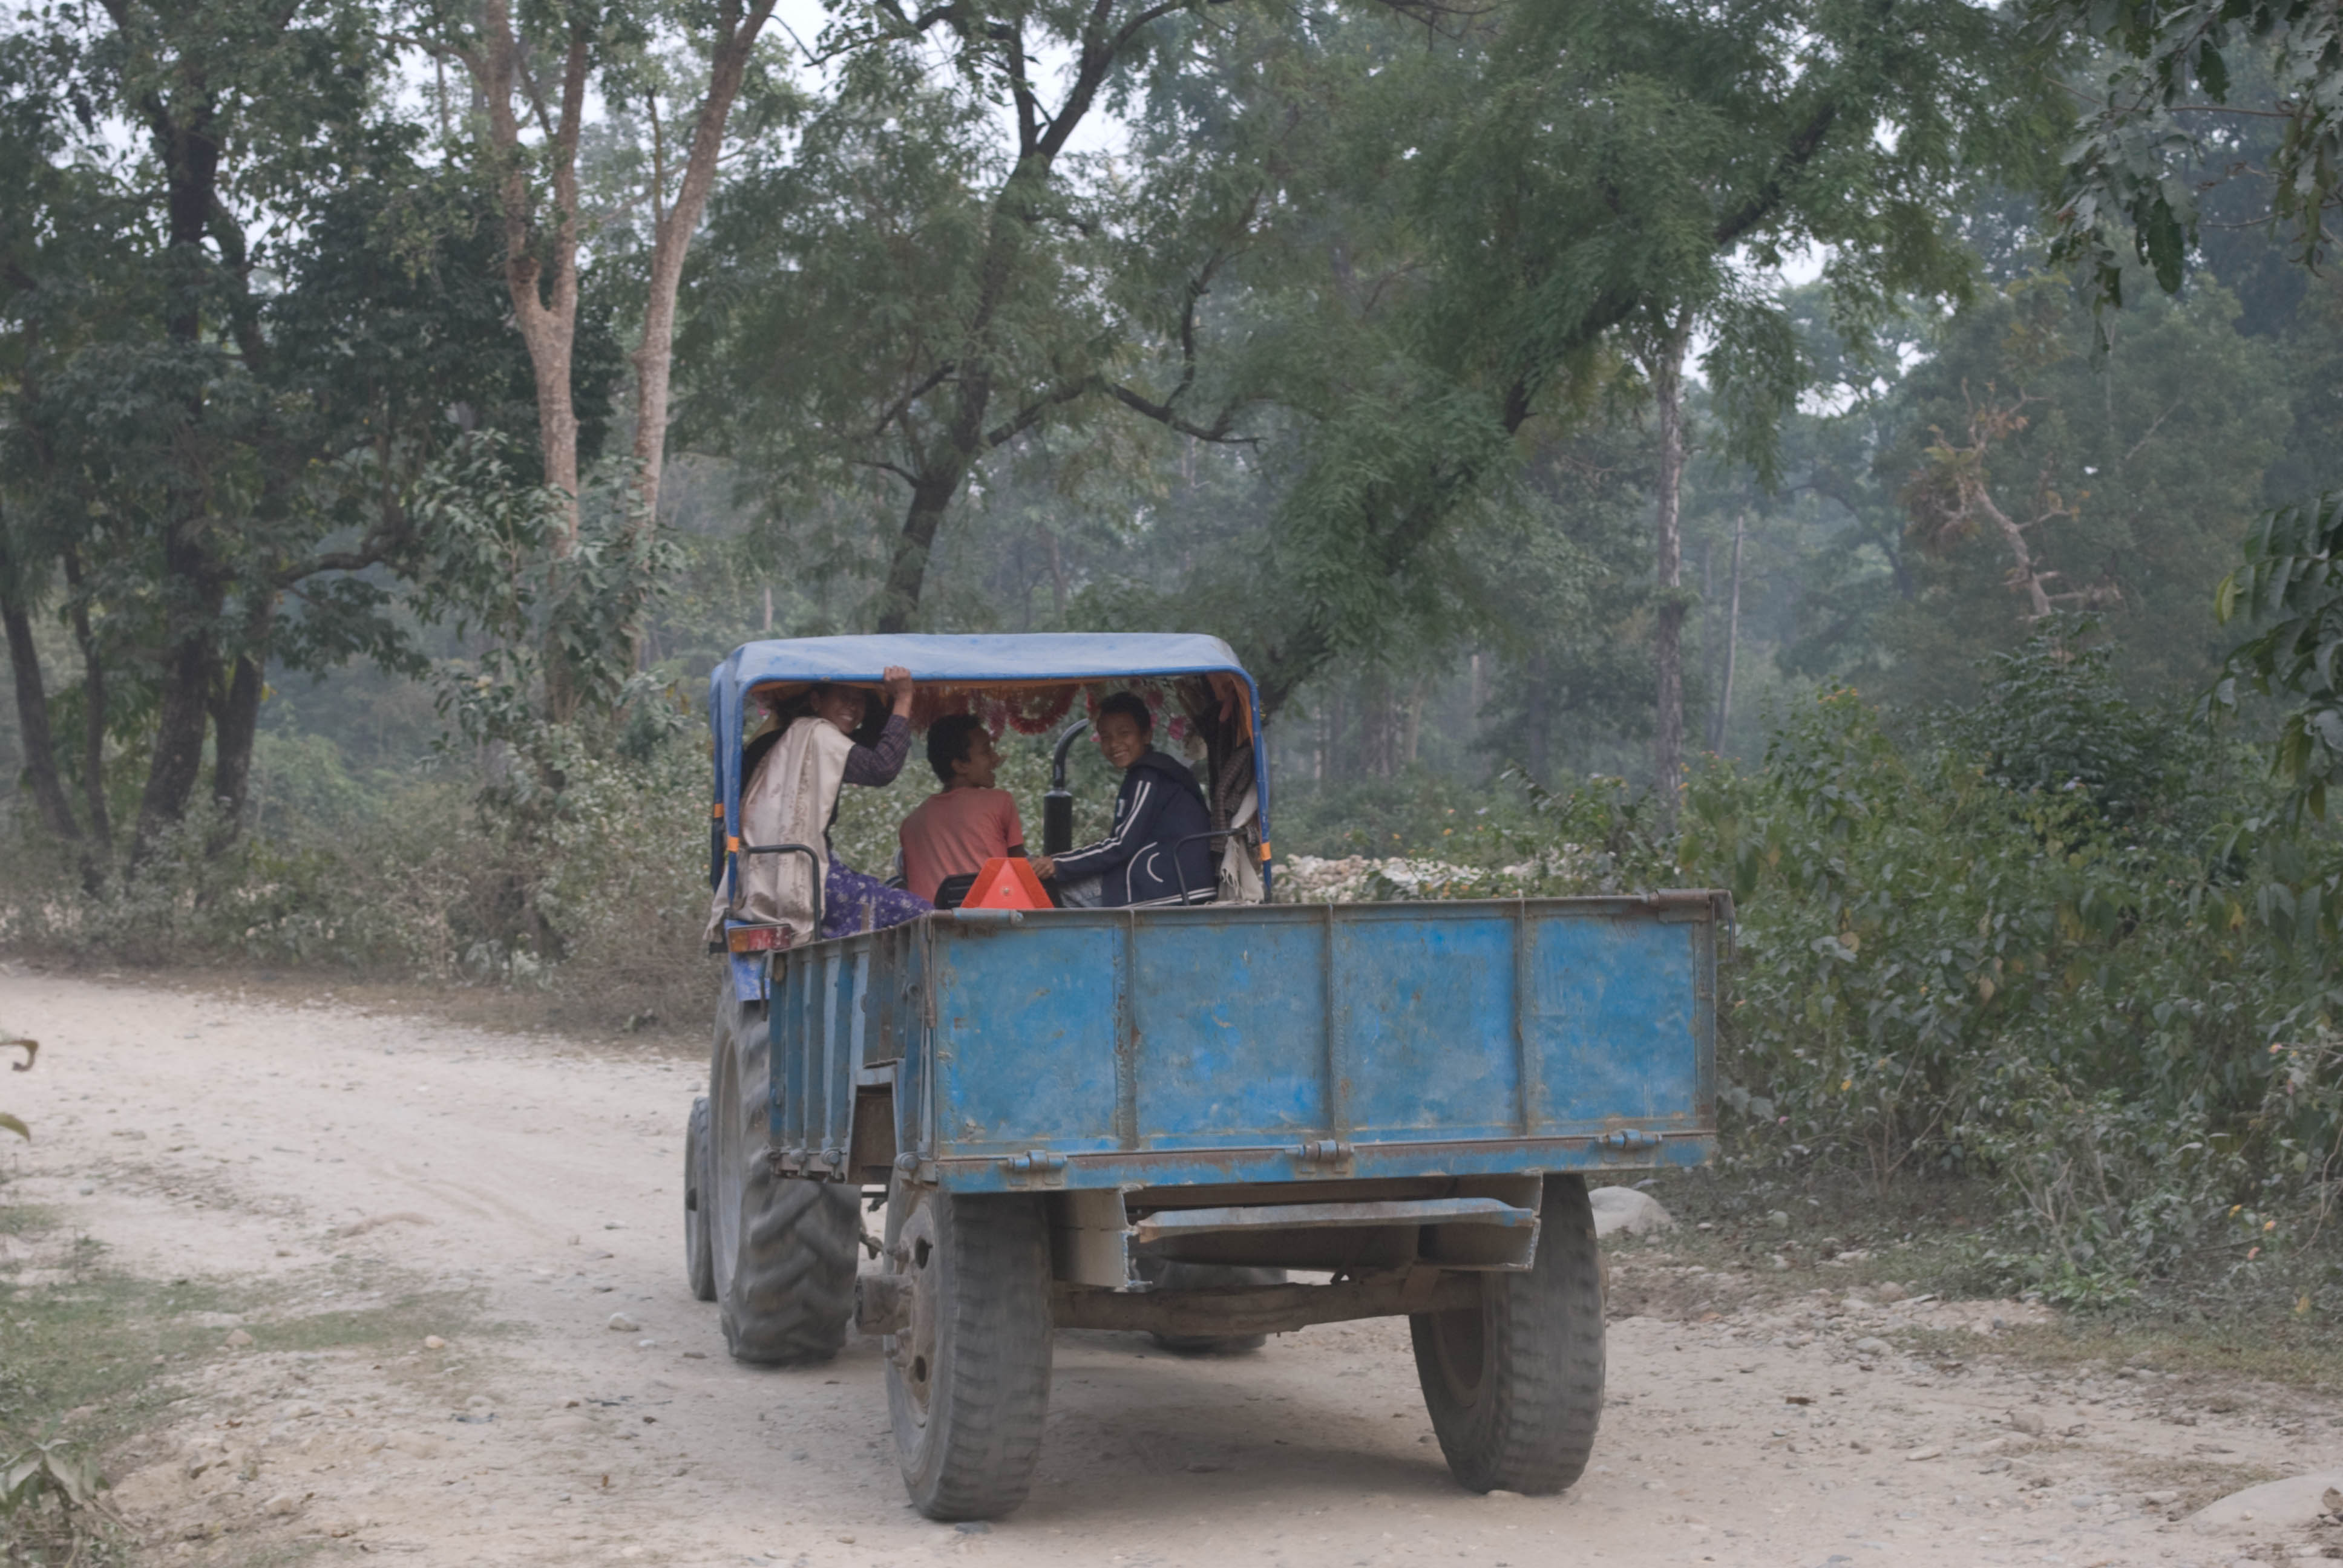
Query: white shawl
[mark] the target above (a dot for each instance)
(787, 802)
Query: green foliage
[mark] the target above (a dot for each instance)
(2054, 718)
(48, 1470)
(595, 893)
(1951, 958)
(2292, 579)
(2173, 66)
(1523, 199)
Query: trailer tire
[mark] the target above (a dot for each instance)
(699, 1262)
(1167, 1275)
(1514, 1385)
(967, 1379)
(783, 1249)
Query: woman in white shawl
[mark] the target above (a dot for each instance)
(791, 797)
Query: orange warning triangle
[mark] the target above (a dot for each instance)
(1006, 882)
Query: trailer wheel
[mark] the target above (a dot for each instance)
(968, 1380)
(1514, 1385)
(699, 1262)
(784, 1249)
(1165, 1274)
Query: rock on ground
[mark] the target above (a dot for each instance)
(1618, 1209)
(2292, 1503)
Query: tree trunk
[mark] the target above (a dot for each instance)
(190, 152)
(540, 259)
(971, 433)
(931, 497)
(541, 271)
(179, 731)
(1731, 642)
(1667, 635)
(1374, 727)
(673, 230)
(33, 705)
(1337, 728)
(236, 723)
(1057, 575)
(93, 713)
(1536, 728)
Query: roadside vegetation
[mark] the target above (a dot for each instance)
(94, 1359)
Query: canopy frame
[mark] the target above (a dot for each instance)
(1025, 660)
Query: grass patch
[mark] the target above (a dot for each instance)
(93, 1350)
(403, 1318)
(2220, 1354)
(86, 1355)
(2273, 1320)
(95, 1357)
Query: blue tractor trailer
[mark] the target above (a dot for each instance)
(1211, 1121)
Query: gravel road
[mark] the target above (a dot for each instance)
(491, 1201)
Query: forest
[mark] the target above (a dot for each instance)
(1878, 456)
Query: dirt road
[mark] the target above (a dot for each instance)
(509, 1196)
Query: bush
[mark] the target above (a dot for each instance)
(2055, 943)
(2031, 950)
(595, 893)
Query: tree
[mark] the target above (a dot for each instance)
(219, 445)
(648, 60)
(2045, 475)
(908, 296)
(2182, 76)
(526, 143)
(228, 100)
(675, 221)
(2183, 73)
(1556, 171)
(1664, 367)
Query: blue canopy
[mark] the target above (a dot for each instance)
(1026, 656)
(1021, 659)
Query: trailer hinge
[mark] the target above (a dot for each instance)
(1036, 1164)
(1323, 1152)
(1627, 1138)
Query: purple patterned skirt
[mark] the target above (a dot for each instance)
(852, 902)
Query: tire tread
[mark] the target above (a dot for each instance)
(991, 1398)
(786, 1291)
(1534, 1429)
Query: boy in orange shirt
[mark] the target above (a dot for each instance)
(968, 821)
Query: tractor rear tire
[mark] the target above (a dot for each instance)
(1165, 1274)
(1515, 1384)
(784, 1249)
(699, 1259)
(968, 1377)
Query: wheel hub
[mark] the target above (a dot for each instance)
(913, 1351)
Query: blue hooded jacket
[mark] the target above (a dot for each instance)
(1158, 806)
